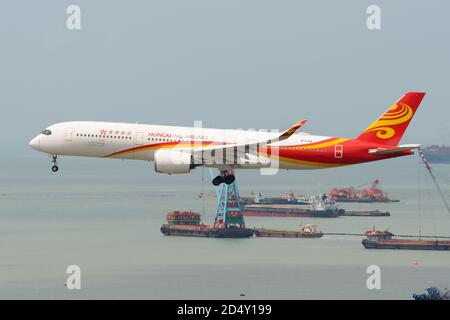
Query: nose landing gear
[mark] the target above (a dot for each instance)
(55, 167)
(226, 177)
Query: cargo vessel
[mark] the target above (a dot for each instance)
(288, 198)
(188, 224)
(306, 231)
(320, 208)
(385, 240)
(367, 195)
(437, 154)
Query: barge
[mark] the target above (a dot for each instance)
(306, 231)
(206, 231)
(287, 211)
(366, 213)
(314, 207)
(187, 224)
(385, 240)
(364, 200)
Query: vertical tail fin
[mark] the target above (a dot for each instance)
(391, 126)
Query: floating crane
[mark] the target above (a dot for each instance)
(370, 194)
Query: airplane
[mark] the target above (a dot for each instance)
(178, 150)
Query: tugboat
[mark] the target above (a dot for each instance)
(432, 293)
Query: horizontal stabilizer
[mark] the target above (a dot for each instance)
(400, 148)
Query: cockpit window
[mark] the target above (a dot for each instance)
(47, 132)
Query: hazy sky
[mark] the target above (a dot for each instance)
(234, 63)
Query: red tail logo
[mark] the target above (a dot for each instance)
(391, 126)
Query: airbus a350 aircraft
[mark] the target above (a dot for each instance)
(177, 150)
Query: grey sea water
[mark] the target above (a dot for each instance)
(105, 215)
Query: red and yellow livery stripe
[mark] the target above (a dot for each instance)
(164, 145)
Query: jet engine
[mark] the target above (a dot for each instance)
(173, 162)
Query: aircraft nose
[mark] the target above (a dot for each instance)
(34, 143)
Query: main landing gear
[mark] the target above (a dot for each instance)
(226, 177)
(55, 163)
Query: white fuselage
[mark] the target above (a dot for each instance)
(141, 141)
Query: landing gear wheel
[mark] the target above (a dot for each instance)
(217, 181)
(229, 179)
(55, 163)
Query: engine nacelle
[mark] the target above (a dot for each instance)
(173, 162)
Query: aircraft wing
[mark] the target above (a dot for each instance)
(400, 148)
(240, 148)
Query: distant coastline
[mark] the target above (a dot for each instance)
(437, 154)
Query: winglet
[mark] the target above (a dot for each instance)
(286, 134)
(289, 132)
